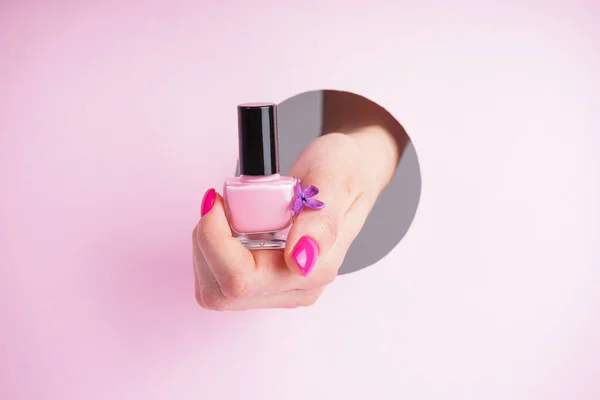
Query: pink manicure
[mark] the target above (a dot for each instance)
(208, 201)
(305, 254)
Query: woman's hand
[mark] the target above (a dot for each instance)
(350, 171)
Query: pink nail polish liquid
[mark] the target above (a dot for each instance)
(259, 201)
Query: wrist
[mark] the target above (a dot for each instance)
(379, 136)
(380, 149)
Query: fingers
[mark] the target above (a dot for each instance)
(232, 277)
(212, 299)
(282, 288)
(222, 262)
(210, 296)
(315, 232)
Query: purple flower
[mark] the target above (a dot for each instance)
(304, 197)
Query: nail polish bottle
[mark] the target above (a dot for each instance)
(258, 202)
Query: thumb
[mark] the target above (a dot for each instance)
(315, 230)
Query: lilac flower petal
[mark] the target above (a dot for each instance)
(310, 191)
(297, 205)
(298, 188)
(314, 204)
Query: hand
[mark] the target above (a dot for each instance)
(350, 171)
(230, 277)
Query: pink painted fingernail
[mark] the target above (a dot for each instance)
(207, 201)
(305, 254)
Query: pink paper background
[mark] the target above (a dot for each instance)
(115, 117)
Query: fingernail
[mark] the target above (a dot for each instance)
(305, 254)
(207, 201)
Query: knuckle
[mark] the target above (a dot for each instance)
(204, 235)
(300, 301)
(328, 276)
(305, 298)
(308, 299)
(213, 299)
(329, 224)
(234, 285)
(351, 181)
(350, 186)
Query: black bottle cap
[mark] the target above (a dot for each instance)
(257, 135)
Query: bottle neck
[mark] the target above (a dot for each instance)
(259, 178)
